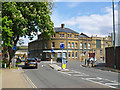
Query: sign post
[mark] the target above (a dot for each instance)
(63, 65)
(52, 50)
(14, 48)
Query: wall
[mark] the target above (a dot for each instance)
(110, 57)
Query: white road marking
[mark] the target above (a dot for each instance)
(98, 82)
(65, 73)
(115, 83)
(80, 75)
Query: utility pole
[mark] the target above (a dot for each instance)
(114, 36)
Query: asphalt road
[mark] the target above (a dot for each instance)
(77, 77)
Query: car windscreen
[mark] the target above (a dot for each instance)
(31, 60)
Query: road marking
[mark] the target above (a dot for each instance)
(80, 75)
(29, 80)
(115, 83)
(99, 79)
(65, 73)
(98, 82)
(102, 82)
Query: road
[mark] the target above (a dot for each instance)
(77, 77)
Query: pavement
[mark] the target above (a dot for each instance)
(0, 80)
(13, 78)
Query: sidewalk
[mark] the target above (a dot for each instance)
(0, 79)
(13, 78)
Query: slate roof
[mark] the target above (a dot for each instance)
(83, 35)
(59, 29)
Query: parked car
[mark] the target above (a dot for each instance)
(22, 59)
(92, 61)
(59, 60)
(37, 59)
(31, 62)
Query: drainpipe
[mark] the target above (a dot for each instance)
(67, 44)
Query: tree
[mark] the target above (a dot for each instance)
(25, 18)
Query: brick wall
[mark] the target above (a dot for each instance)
(110, 57)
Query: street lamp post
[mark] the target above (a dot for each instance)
(114, 36)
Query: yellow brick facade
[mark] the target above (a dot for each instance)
(42, 48)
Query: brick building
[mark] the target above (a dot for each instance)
(77, 46)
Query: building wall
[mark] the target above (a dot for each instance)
(37, 48)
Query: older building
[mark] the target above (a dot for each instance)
(77, 46)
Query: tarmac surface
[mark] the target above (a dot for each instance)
(52, 76)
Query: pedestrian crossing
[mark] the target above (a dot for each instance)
(98, 80)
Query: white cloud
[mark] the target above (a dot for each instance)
(72, 5)
(95, 24)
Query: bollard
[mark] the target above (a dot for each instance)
(85, 61)
(10, 66)
(51, 61)
(5, 65)
(14, 63)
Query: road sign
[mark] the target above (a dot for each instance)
(91, 54)
(14, 48)
(28, 52)
(52, 50)
(62, 46)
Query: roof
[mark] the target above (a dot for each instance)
(83, 35)
(59, 29)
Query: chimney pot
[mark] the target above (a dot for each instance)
(62, 25)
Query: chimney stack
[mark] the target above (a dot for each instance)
(62, 25)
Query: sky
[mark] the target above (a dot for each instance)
(91, 18)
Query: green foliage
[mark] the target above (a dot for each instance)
(24, 18)
(7, 32)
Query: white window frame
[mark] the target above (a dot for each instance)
(72, 54)
(75, 54)
(59, 53)
(52, 54)
(85, 45)
(69, 45)
(76, 45)
(69, 54)
(52, 44)
(62, 35)
(72, 44)
(47, 55)
(65, 54)
(89, 45)
(81, 45)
